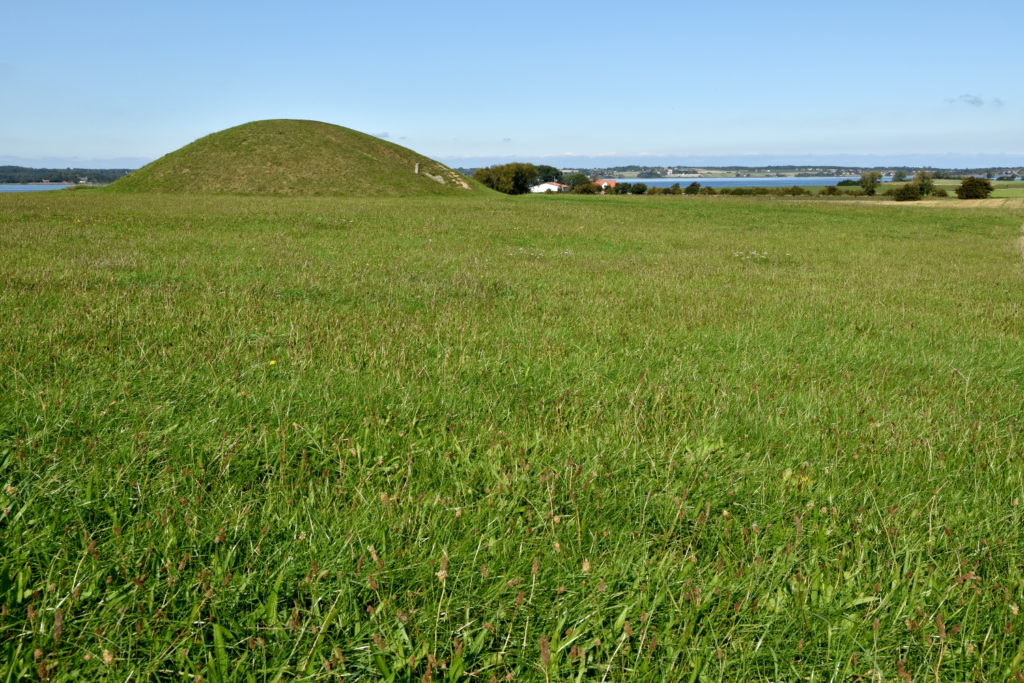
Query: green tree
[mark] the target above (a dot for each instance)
(924, 181)
(869, 181)
(585, 188)
(974, 188)
(692, 188)
(899, 176)
(485, 176)
(574, 179)
(639, 188)
(515, 178)
(547, 174)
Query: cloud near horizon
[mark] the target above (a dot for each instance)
(975, 101)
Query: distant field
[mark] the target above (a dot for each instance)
(535, 438)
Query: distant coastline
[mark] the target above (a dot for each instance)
(23, 175)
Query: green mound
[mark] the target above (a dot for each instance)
(294, 158)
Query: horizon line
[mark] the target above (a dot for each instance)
(946, 160)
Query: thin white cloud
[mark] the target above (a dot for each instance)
(975, 101)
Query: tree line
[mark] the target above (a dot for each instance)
(518, 178)
(22, 174)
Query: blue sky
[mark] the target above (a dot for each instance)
(471, 83)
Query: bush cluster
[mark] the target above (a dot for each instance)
(911, 192)
(922, 185)
(974, 188)
(517, 178)
(794, 191)
(508, 178)
(630, 188)
(697, 189)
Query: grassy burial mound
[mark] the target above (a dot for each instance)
(295, 158)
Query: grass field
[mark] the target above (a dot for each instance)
(537, 438)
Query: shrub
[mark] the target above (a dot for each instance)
(692, 188)
(869, 181)
(585, 188)
(847, 183)
(925, 182)
(639, 188)
(708, 190)
(974, 188)
(830, 191)
(940, 192)
(911, 192)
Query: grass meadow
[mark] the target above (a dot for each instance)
(533, 439)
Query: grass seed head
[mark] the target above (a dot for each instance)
(58, 625)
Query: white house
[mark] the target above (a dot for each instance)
(549, 187)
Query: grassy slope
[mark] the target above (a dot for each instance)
(653, 437)
(295, 158)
